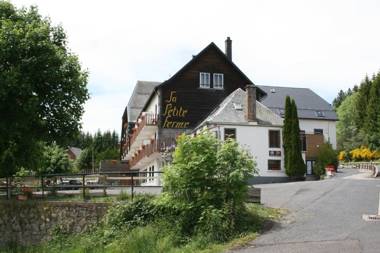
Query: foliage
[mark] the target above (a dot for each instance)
(206, 173)
(43, 87)
(341, 97)
(84, 161)
(364, 154)
(359, 116)
(287, 133)
(348, 135)
(154, 237)
(326, 155)
(129, 215)
(103, 145)
(54, 160)
(294, 163)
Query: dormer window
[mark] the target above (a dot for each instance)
(204, 80)
(218, 81)
(320, 114)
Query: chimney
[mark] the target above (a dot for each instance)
(250, 103)
(228, 50)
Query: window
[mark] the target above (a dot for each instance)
(229, 133)
(320, 114)
(318, 131)
(204, 80)
(274, 164)
(151, 174)
(303, 140)
(218, 81)
(274, 139)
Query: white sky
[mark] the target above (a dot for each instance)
(324, 45)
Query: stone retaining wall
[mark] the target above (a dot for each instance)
(30, 222)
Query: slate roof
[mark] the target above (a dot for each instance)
(231, 111)
(308, 102)
(140, 95)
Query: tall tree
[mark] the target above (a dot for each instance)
(294, 164)
(287, 131)
(362, 102)
(43, 87)
(296, 156)
(348, 135)
(372, 120)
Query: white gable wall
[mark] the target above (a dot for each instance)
(255, 139)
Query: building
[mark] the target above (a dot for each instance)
(257, 127)
(73, 152)
(158, 112)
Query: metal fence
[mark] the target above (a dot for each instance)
(86, 184)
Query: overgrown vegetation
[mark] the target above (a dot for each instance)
(202, 208)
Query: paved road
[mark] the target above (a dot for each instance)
(324, 216)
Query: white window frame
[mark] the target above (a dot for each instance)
(204, 80)
(218, 81)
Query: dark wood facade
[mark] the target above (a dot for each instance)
(183, 104)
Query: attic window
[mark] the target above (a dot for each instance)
(281, 112)
(204, 80)
(238, 107)
(273, 90)
(320, 114)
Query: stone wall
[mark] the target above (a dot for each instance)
(30, 222)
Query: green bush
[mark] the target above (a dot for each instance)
(326, 155)
(206, 173)
(129, 215)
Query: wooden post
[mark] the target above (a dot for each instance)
(42, 186)
(132, 187)
(84, 186)
(8, 195)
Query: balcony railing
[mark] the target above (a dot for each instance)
(154, 146)
(146, 119)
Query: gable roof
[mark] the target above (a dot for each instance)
(76, 151)
(231, 111)
(139, 97)
(212, 45)
(307, 101)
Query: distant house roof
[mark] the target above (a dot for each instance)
(309, 104)
(75, 151)
(140, 95)
(231, 111)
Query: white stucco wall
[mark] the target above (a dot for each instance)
(329, 128)
(152, 104)
(255, 139)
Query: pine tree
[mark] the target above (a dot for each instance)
(362, 103)
(287, 133)
(299, 164)
(371, 123)
(294, 164)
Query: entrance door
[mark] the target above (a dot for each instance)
(309, 167)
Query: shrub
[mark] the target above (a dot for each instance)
(132, 214)
(326, 155)
(206, 173)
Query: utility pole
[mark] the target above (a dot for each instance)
(93, 166)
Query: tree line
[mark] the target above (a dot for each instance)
(359, 115)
